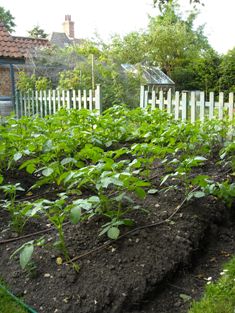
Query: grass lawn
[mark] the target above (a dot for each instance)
(8, 305)
(219, 297)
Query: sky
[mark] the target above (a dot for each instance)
(107, 17)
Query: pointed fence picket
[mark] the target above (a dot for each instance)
(190, 105)
(48, 102)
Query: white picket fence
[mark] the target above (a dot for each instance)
(48, 102)
(189, 105)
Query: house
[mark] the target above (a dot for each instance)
(67, 37)
(13, 52)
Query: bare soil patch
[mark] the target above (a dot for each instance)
(144, 271)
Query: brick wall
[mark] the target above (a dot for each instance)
(5, 81)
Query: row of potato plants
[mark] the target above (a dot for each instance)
(110, 157)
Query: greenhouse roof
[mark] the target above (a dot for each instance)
(151, 74)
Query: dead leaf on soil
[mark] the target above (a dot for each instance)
(185, 297)
(201, 276)
(59, 261)
(225, 253)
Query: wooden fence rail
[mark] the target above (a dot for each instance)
(48, 102)
(190, 105)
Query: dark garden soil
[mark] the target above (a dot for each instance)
(158, 268)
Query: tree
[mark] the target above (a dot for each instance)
(201, 74)
(7, 19)
(85, 48)
(129, 49)
(227, 69)
(37, 32)
(162, 3)
(172, 42)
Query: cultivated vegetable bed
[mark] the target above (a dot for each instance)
(97, 211)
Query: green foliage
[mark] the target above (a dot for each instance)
(15, 209)
(224, 191)
(55, 211)
(201, 74)
(86, 49)
(26, 253)
(183, 169)
(43, 83)
(117, 87)
(37, 32)
(7, 19)
(129, 49)
(101, 163)
(163, 3)
(79, 78)
(227, 80)
(26, 82)
(174, 42)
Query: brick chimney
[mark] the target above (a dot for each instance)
(68, 26)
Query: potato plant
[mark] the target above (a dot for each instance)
(96, 165)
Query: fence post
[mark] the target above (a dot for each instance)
(36, 102)
(29, 102)
(169, 101)
(202, 106)
(230, 106)
(68, 99)
(54, 100)
(49, 101)
(63, 99)
(142, 97)
(98, 104)
(74, 99)
(221, 105)
(17, 104)
(153, 99)
(41, 106)
(24, 104)
(161, 100)
(145, 98)
(33, 102)
(177, 105)
(59, 100)
(230, 114)
(184, 106)
(21, 104)
(84, 99)
(193, 106)
(90, 98)
(45, 101)
(79, 99)
(212, 105)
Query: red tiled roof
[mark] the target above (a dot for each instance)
(18, 47)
